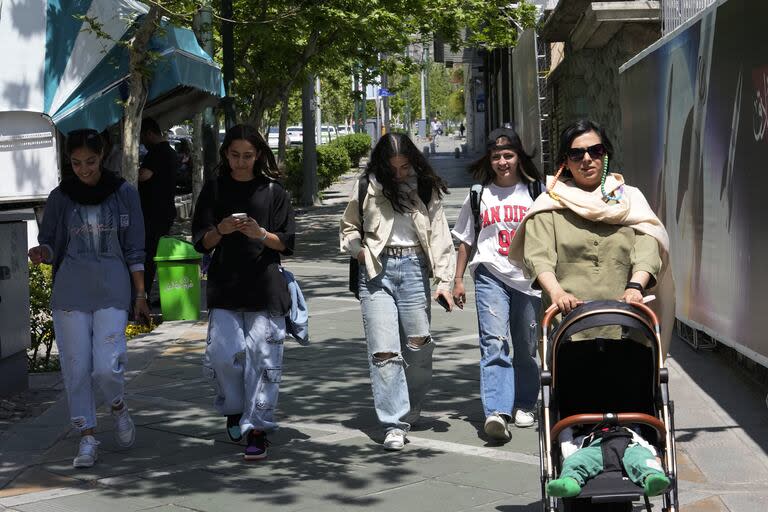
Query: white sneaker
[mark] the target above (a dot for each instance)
(125, 431)
(86, 453)
(496, 427)
(395, 439)
(524, 418)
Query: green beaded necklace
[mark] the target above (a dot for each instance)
(615, 195)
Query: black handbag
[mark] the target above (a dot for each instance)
(354, 277)
(354, 265)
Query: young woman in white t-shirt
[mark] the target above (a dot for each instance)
(507, 306)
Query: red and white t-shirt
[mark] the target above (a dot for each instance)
(501, 210)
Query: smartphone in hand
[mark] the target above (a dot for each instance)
(240, 216)
(443, 302)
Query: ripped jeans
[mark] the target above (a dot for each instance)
(92, 355)
(396, 315)
(507, 319)
(244, 360)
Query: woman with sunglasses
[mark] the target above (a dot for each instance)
(591, 236)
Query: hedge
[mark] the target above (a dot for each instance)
(332, 161)
(357, 145)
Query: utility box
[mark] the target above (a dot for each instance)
(14, 301)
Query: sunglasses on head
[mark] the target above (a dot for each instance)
(577, 154)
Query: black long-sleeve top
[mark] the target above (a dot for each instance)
(244, 273)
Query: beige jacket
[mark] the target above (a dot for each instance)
(431, 226)
(631, 210)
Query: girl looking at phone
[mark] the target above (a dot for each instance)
(244, 218)
(407, 241)
(93, 235)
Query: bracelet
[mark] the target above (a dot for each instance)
(635, 286)
(142, 295)
(262, 238)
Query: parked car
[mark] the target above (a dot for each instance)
(296, 135)
(344, 130)
(273, 138)
(329, 133)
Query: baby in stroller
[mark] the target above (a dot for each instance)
(588, 451)
(607, 435)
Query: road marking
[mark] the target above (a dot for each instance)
(310, 266)
(337, 434)
(49, 494)
(313, 314)
(458, 338)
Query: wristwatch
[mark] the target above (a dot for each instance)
(142, 295)
(635, 286)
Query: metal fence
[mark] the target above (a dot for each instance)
(677, 12)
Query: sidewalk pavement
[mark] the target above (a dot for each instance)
(327, 456)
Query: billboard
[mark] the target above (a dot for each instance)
(525, 84)
(695, 126)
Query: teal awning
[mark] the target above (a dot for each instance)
(184, 80)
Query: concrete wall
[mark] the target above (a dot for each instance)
(586, 83)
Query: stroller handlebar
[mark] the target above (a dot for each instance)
(553, 310)
(622, 418)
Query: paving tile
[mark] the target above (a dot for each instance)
(35, 479)
(91, 501)
(425, 496)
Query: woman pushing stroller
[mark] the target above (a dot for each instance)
(591, 237)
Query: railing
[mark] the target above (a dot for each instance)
(677, 12)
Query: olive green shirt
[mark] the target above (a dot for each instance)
(591, 260)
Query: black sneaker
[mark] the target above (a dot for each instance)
(257, 446)
(233, 427)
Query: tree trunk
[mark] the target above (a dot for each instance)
(197, 158)
(137, 94)
(309, 150)
(281, 149)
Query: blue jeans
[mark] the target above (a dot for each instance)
(92, 355)
(507, 319)
(244, 359)
(396, 315)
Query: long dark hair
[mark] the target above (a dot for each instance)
(481, 169)
(265, 164)
(85, 138)
(397, 144)
(574, 130)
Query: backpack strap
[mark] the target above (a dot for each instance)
(535, 189)
(362, 191)
(475, 195)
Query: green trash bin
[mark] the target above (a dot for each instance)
(178, 275)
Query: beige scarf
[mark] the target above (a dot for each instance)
(632, 210)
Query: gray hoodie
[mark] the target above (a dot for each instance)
(93, 249)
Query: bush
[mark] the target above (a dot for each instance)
(332, 162)
(357, 145)
(41, 331)
(40, 320)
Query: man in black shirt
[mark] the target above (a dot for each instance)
(157, 183)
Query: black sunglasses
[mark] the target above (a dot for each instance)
(577, 154)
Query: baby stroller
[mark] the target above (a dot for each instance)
(605, 382)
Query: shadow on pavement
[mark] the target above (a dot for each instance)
(741, 398)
